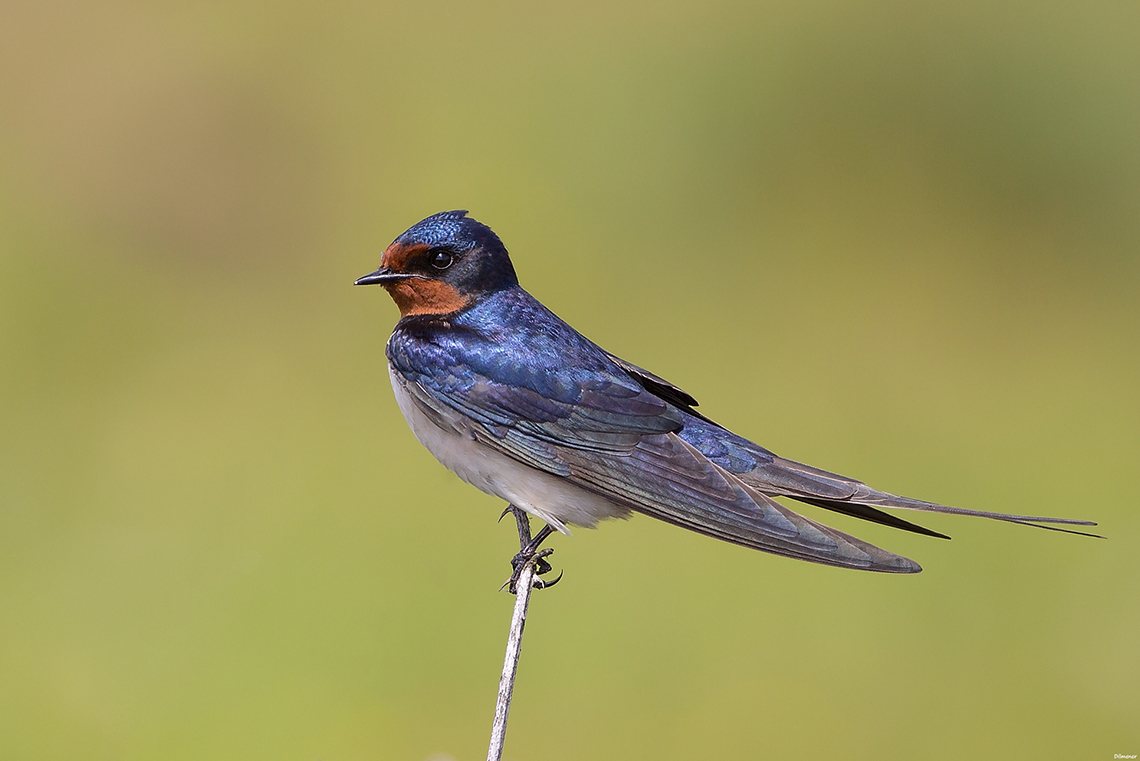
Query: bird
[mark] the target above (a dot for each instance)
(522, 406)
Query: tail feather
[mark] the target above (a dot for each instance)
(786, 478)
(872, 515)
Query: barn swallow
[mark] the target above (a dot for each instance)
(522, 406)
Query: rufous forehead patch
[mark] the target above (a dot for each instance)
(397, 255)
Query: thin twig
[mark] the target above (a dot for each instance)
(514, 641)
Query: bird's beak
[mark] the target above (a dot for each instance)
(381, 276)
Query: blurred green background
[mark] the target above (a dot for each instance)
(900, 241)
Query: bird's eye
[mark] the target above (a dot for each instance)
(441, 260)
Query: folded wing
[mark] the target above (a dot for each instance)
(620, 441)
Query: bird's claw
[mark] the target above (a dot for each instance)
(538, 558)
(529, 554)
(543, 584)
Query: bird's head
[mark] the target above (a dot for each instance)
(443, 264)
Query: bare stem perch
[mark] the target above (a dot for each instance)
(514, 641)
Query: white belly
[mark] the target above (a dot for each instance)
(543, 495)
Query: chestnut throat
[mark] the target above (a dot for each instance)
(414, 296)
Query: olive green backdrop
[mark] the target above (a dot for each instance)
(900, 241)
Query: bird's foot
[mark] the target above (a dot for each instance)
(541, 567)
(530, 554)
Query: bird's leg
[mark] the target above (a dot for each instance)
(528, 550)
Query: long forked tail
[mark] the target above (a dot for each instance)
(787, 478)
(774, 476)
